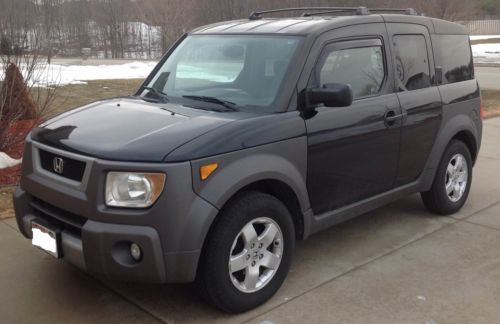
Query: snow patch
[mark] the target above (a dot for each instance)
(54, 74)
(482, 37)
(487, 50)
(7, 162)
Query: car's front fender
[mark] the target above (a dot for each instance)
(284, 161)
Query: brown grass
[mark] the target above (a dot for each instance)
(491, 103)
(6, 202)
(71, 96)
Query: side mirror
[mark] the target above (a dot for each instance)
(331, 95)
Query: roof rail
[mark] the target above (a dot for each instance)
(325, 10)
(358, 11)
(407, 11)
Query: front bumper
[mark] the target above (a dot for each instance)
(97, 238)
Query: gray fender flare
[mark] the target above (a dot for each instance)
(452, 127)
(239, 169)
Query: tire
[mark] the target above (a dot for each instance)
(232, 292)
(439, 199)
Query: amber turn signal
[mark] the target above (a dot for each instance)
(207, 170)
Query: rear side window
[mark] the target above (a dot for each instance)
(412, 62)
(453, 55)
(362, 68)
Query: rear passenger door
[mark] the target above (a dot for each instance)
(418, 95)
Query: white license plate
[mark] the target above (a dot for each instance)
(46, 239)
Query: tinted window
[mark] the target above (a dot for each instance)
(362, 68)
(209, 63)
(247, 70)
(412, 62)
(455, 58)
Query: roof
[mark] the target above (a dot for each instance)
(319, 24)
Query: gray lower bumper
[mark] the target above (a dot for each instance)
(103, 249)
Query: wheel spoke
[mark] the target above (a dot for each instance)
(462, 177)
(269, 235)
(459, 163)
(449, 187)
(270, 260)
(251, 277)
(450, 170)
(249, 234)
(238, 262)
(456, 191)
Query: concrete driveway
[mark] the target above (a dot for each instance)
(396, 264)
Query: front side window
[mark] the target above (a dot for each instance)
(246, 71)
(362, 68)
(412, 62)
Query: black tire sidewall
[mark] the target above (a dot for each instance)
(445, 204)
(243, 209)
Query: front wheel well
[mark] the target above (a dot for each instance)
(284, 193)
(468, 139)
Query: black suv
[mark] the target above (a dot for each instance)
(248, 136)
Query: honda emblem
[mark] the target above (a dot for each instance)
(58, 164)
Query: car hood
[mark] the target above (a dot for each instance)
(128, 129)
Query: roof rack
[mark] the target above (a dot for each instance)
(325, 10)
(358, 11)
(317, 13)
(407, 11)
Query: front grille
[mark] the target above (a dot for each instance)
(62, 166)
(57, 216)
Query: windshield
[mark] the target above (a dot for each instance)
(241, 72)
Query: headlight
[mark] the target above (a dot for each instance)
(133, 190)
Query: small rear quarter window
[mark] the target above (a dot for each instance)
(453, 55)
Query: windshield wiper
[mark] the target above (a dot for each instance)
(224, 103)
(162, 96)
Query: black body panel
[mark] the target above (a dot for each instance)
(242, 134)
(353, 152)
(129, 129)
(422, 110)
(423, 114)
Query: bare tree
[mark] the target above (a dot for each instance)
(138, 28)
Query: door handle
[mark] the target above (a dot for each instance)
(391, 117)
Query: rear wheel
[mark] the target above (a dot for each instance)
(247, 254)
(452, 182)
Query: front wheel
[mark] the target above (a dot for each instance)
(247, 254)
(452, 182)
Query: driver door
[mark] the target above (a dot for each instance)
(353, 151)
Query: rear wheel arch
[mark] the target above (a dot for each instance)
(460, 127)
(468, 139)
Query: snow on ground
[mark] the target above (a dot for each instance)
(47, 75)
(7, 162)
(482, 37)
(486, 52)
